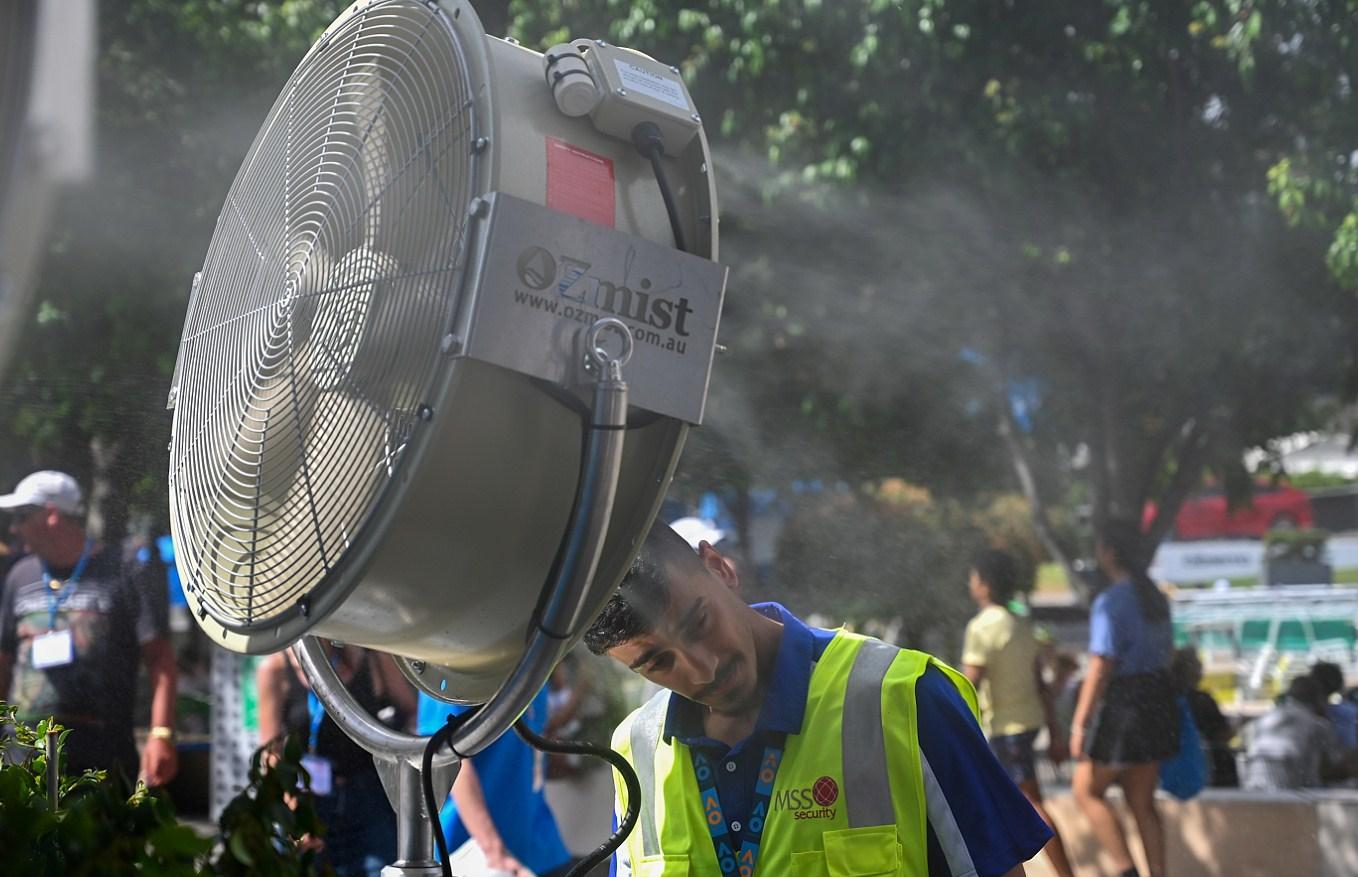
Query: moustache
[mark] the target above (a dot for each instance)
(719, 681)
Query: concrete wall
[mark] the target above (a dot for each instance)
(1230, 833)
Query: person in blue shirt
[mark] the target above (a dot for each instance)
(739, 678)
(498, 798)
(1126, 720)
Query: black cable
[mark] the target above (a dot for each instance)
(629, 778)
(437, 739)
(670, 207)
(648, 141)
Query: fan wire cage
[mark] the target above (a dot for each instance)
(312, 345)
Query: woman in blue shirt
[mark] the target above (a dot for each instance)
(1126, 720)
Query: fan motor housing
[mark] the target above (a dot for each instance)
(377, 430)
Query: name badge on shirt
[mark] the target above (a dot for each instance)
(54, 649)
(322, 776)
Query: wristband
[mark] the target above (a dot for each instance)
(161, 732)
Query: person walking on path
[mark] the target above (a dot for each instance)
(1127, 719)
(1002, 658)
(782, 749)
(73, 625)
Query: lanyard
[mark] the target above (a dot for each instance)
(59, 592)
(737, 864)
(316, 711)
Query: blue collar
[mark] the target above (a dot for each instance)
(785, 701)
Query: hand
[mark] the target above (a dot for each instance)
(159, 762)
(310, 843)
(498, 858)
(1058, 749)
(1077, 742)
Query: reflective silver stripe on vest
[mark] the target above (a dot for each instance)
(645, 733)
(944, 824)
(867, 786)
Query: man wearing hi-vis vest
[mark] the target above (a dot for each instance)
(782, 750)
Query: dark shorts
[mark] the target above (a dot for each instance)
(1015, 753)
(1138, 721)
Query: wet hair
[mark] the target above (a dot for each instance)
(1128, 546)
(998, 571)
(645, 590)
(1328, 676)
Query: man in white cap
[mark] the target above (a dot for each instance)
(73, 625)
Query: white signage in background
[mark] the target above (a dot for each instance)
(1342, 552)
(1191, 562)
(653, 85)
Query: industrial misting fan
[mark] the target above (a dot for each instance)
(455, 320)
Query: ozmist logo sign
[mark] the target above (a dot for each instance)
(569, 290)
(815, 801)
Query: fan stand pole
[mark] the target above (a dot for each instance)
(398, 756)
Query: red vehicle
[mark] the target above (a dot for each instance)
(1205, 516)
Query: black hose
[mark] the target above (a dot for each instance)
(649, 142)
(629, 778)
(437, 739)
(670, 207)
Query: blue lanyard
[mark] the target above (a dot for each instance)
(59, 592)
(316, 711)
(735, 863)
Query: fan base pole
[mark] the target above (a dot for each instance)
(397, 756)
(414, 829)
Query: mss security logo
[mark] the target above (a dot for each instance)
(815, 801)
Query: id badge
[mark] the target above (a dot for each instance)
(322, 776)
(54, 649)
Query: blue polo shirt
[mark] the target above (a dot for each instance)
(512, 775)
(976, 803)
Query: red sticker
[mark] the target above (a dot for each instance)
(580, 182)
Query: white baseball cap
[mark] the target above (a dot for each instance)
(44, 488)
(695, 530)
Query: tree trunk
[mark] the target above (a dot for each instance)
(1023, 470)
(107, 518)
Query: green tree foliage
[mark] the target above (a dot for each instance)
(929, 205)
(1071, 200)
(847, 554)
(182, 88)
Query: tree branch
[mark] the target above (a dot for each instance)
(1187, 472)
(1023, 471)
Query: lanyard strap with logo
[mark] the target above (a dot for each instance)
(56, 648)
(740, 863)
(58, 591)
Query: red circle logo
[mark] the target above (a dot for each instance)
(825, 791)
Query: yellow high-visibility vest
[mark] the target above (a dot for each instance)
(849, 799)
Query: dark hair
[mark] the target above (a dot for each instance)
(1183, 667)
(645, 590)
(1330, 677)
(999, 572)
(1128, 546)
(1306, 691)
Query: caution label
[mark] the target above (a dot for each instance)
(581, 183)
(653, 85)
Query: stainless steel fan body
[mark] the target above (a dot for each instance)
(350, 457)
